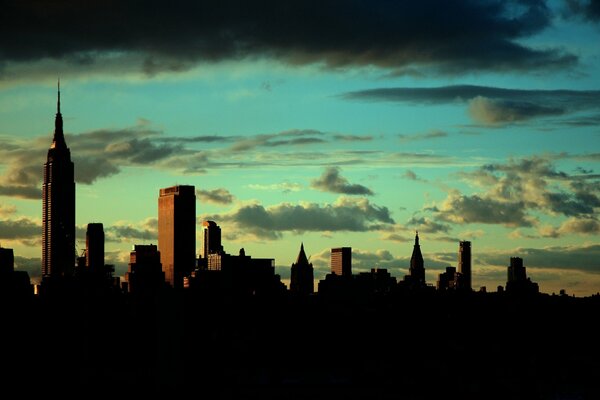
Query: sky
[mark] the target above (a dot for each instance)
(330, 123)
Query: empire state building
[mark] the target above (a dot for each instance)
(58, 214)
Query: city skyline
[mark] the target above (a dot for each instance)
(356, 147)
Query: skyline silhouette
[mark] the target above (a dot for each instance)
(466, 121)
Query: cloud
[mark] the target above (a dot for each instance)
(346, 214)
(493, 105)
(582, 258)
(7, 210)
(21, 192)
(332, 181)
(586, 9)
(422, 136)
(293, 137)
(585, 226)
(411, 175)
(127, 232)
(495, 112)
(285, 187)
(427, 225)
(101, 37)
(523, 192)
(469, 209)
(353, 138)
(217, 196)
(19, 229)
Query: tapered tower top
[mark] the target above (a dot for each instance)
(302, 260)
(59, 137)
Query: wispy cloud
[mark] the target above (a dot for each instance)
(422, 136)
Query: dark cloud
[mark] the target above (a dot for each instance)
(286, 138)
(495, 112)
(493, 105)
(332, 181)
(586, 9)
(201, 139)
(353, 138)
(217, 196)
(22, 192)
(431, 35)
(19, 229)
(427, 225)
(469, 209)
(465, 93)
(583, 258)
(422, 136)
(89, 169)
(411, 175)
(346, 214)
(146, 230)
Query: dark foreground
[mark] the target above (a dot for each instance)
(409, 346)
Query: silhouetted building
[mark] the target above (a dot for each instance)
(94, 246)
(302, 276)
(376, 281)
(177, 232)
(416, 272)
(240, 274)
(464, 264)
(341, 261)
(145, 275)
(212, 239)
(448, 280)
(7, 260)
(518, 282)
(58, 206)
(13, 283)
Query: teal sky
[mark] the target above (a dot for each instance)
(482, 126)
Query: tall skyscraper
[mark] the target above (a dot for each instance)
(417, 268)
(302, 277)
(94, 244)
(464, 263)
(177, 232)
(58, 206)
(212, 239)
(341, 261)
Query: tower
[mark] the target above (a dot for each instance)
(94, 244)
(177, 232)
(302, 277)
(58, 206)
(341, 261)
(212, 239)
(417, 268)
(464, 263)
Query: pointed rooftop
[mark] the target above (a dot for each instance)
(301, 260)
(59, 137)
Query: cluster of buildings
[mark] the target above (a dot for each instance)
(173, 263)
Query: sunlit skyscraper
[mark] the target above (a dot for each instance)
(177, 232)
(58, 206)
(341, 261)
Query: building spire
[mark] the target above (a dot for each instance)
(58, 102)
(59, 137)
(417, 238)
(302, 256)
